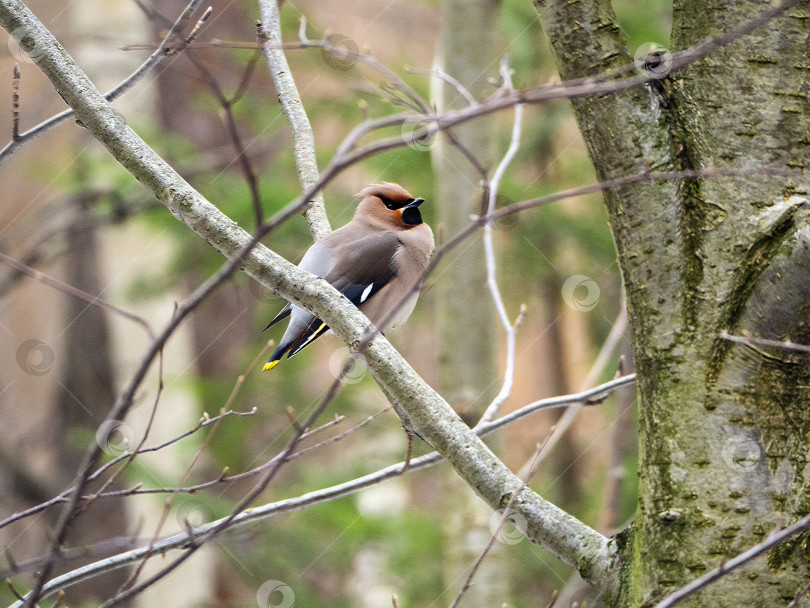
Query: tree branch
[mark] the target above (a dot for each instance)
(489, 254)
(293, 110)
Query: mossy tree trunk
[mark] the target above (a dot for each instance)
(725, 427)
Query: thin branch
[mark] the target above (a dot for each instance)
(489, 254)
(225, 102)
(193, 543)
(73, 291)
(293, 109)
(604, 357)
(453, 82)
(615, 472)
(507, 511)
(601, 84)
(170, 501)
(734, 563)
(802, 592)
(419, 405)
(82, 552)
(63, 497)
(750, 340)
(590, 397)
(416, 101)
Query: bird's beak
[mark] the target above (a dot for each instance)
(415, 202)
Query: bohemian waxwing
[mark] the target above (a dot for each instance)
(375, 260)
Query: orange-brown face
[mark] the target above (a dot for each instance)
(393, 204)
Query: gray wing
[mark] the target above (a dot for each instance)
(356, 267)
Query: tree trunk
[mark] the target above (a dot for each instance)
(87, 383)
(467, 325)
(725, 428)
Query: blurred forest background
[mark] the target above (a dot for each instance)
(71, 212)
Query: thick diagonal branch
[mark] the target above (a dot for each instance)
(563, 535)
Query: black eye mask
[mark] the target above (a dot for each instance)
(410, 209)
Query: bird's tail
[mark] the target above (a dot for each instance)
(276, 357)
(315, 329)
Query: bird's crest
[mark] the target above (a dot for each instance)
(388, 191)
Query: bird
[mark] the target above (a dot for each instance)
(377, 261)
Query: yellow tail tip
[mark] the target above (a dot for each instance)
(269, 365)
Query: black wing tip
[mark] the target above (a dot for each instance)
(303, 340)
(283, 314)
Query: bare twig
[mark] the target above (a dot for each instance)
(193, 542)
(588, 397)
(198, 454)
(237, 247)
(604, 357)
(453, 82)
(735, 562)
(83, 552)
(802, 592)
(73, 291)
(489, 254)
(507, 511)
(595, 395)
(750, 340)
(225, 102)
(416, 101)
(63, 497)
(615, 473)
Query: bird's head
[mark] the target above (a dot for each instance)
(390, 204)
